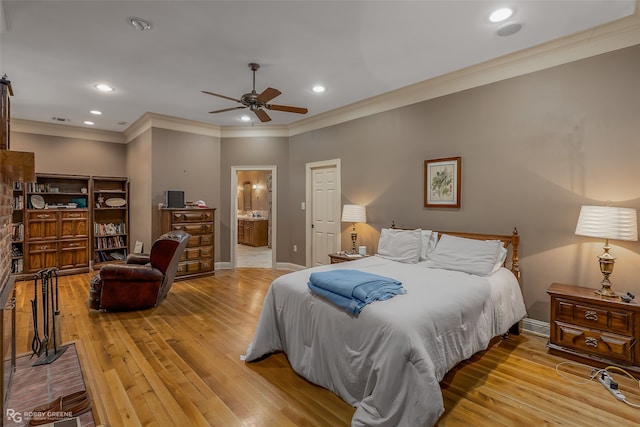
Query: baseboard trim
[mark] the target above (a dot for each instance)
(223, 265)
(536, 327)
(289, 266)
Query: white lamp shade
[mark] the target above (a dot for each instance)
(608, 222)
(354, 213)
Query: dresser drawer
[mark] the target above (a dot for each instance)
(206, 264)
(194, 241)
(204, 228)
(206, 252)
(191, 253)
(192, 216)
(594, 342)
(195, 266)
(188, 267)
(594, 316)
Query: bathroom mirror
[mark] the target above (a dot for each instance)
(246, 196)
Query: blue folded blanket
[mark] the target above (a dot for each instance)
(353, 289)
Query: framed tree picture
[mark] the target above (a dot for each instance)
(442, 183)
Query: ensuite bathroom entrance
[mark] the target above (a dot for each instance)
(254, 217)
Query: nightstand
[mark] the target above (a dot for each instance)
(592, 328)
(343, 257)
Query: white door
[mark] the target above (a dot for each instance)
(325, 213)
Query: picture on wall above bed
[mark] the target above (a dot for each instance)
(442, 182)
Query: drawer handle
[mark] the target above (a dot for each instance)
(591, 315)
(77, 215)
(591, 342)
(43, 216)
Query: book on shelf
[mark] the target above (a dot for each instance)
(17, 266)
(17, 232)
(105, 229)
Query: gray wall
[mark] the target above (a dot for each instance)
(140, 184)
(264, 151)
(184, 162)
(534, 149)
(69, 156)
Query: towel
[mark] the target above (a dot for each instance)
(351, 290)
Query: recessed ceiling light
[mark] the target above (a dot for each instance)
(88, 122)
(509, 29)
(245, 118)
(501, 14)
(318, 89)
(96, 112)
(103, 87)
(139, 23)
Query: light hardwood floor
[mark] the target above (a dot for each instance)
(178, 365)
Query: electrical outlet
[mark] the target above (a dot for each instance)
(608, 383)
(295, 248)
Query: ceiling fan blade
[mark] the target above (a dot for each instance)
(268, 94)
(226, 109)
(298, 110)
(221, 96)
(262, 115)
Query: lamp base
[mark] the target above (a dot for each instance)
(607, 293)
(605, 289)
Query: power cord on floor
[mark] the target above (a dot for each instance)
(610, 384)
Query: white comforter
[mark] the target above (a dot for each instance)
(388, 361)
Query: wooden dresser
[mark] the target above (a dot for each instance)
(591, 328)
(198, 257)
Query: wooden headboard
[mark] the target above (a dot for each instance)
(510, 241)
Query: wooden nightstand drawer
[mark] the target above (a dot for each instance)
(595, 342)
(594, 316)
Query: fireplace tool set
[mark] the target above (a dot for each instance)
(45, 311)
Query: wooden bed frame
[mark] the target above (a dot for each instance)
(508, 240)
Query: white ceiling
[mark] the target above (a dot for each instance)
(54, 52)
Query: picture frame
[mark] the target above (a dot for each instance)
(442, 182)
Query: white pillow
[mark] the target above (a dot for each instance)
(400, 245)
(502, 256)
(479, 257)
(429, 241)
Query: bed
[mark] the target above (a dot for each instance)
(388, 360)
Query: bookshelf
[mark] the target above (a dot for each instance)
(110, 204)
(17, 229)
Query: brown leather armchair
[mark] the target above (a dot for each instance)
(143, 281)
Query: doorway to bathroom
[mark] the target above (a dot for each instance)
(253, 191)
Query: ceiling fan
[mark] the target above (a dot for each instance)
(258, 102)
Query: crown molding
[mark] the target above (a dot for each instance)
(273, 131)
(616, 35)
(154, 120)
(67, 131)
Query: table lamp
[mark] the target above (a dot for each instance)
(353, 214)
(607, 222)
